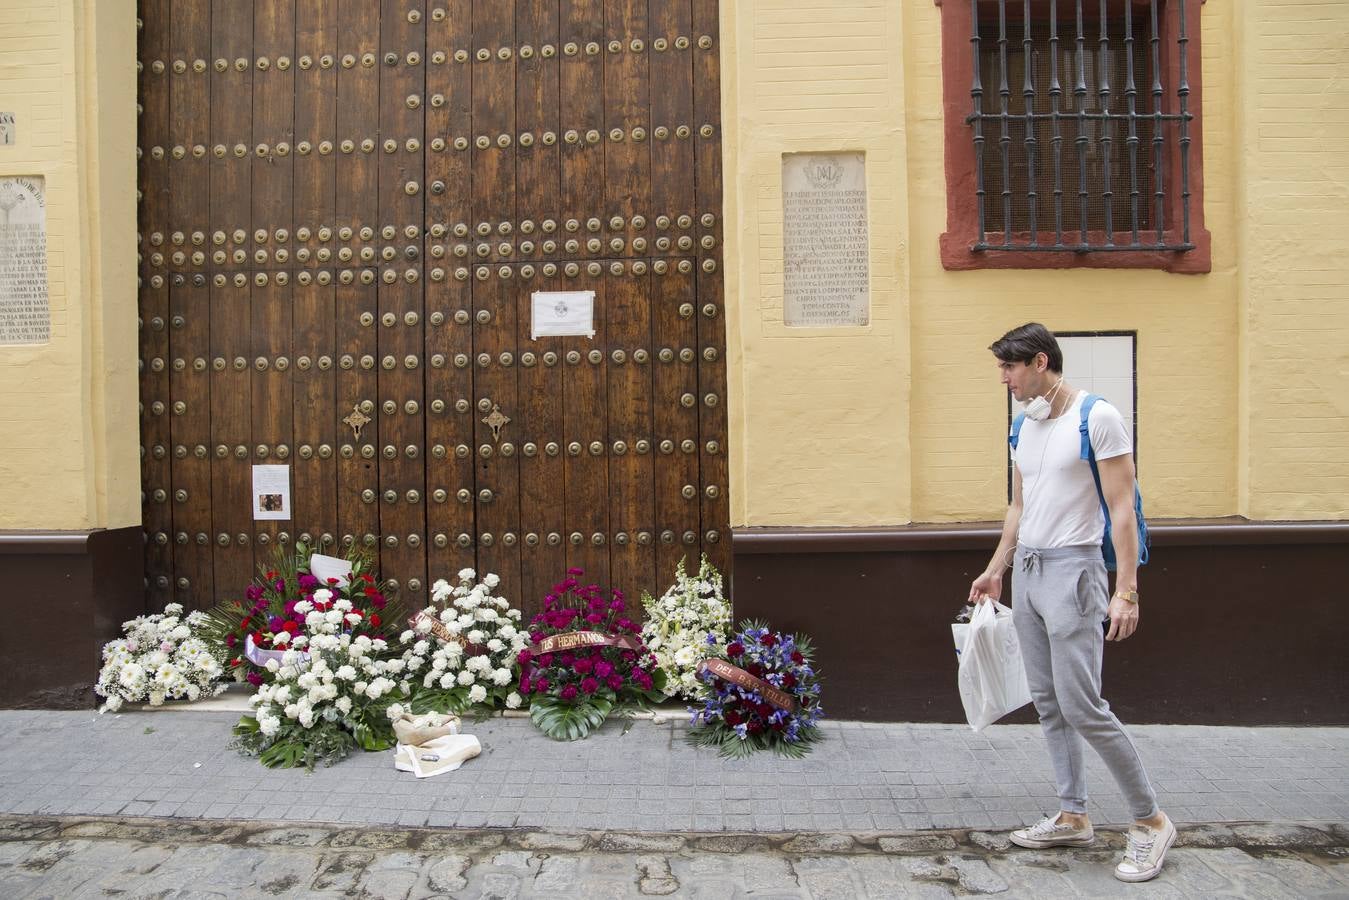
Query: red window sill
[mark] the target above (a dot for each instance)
(956, 254)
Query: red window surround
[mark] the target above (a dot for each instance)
(962, 222)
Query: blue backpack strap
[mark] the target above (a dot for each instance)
(1087, 403)
(1015, 436)
(1087, 453)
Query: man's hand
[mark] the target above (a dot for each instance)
(987, 586)
(1123, 619)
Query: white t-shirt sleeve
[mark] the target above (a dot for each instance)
(1109, 438)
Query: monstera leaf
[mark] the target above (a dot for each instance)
(563, 721)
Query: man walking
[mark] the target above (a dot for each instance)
(1052, 539)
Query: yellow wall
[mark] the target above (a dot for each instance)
(68, 420)
(1293, 130)
(820, 417)
(1243, 400)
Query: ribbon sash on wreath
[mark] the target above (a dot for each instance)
(737, 676)
(439, 630)
(571, 640)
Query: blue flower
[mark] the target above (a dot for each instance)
(743, 730)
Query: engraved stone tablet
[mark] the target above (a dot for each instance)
(25, 317)
(825, 272)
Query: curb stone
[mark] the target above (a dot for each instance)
(1326, 839)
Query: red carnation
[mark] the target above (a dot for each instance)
(375, 620)
(735, 648)
(797, 658)
(768, 640)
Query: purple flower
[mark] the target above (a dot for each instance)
(308, 582)
(569, 692)
(603, 669)
(589, 685)
(254, 679)
(253, 592)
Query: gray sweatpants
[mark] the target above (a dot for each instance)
(1059, 600)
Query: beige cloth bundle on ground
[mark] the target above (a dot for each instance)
(431, 744)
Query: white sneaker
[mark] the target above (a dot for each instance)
(1050, 832)
(1146, 852)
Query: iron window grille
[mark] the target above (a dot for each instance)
(1091, 150)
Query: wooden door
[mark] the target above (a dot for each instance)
(346, 208)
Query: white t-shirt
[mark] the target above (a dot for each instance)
(1059, 503)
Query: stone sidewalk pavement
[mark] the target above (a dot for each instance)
(862, 778)
(76, 858)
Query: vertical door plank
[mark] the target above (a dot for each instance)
(494, 140)
(538, 173)
(402, 341)
(315, 380)
(498, 466)
(675, 415)
(497, 499)
(153, 302)
(231, 294)
(711, 325)
(356, 235)
(586, 433)
(541, 408)
(581, 31)
(273, 173)
(627, 124)
(631, 474)
(538, 160)
(189, 304)
(449, 334)
(672, 168)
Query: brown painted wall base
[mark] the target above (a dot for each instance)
(1239, 620)
(66, 594)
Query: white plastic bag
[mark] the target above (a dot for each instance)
(992, 677)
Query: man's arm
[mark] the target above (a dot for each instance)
(989, 583)
(1117, 484)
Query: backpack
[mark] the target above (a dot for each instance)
(1107, 545)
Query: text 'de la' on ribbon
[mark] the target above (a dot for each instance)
(727, 672)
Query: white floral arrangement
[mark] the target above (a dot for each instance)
(160, 658)
(687, 624)
(464, 646)
(328, 698)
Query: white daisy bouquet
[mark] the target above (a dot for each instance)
(161, 657)
(330, 698)
(464, 647)
(688, 623)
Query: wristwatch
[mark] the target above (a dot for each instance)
(1131, 596)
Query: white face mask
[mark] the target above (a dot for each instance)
(1038, 409)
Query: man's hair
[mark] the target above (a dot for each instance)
(1021, 344)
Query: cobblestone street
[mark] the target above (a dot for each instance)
(75, 857)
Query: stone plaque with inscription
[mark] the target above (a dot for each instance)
(25, 316)
(825, 264)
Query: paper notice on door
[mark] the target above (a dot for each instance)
(271, 492)
(562, 313)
